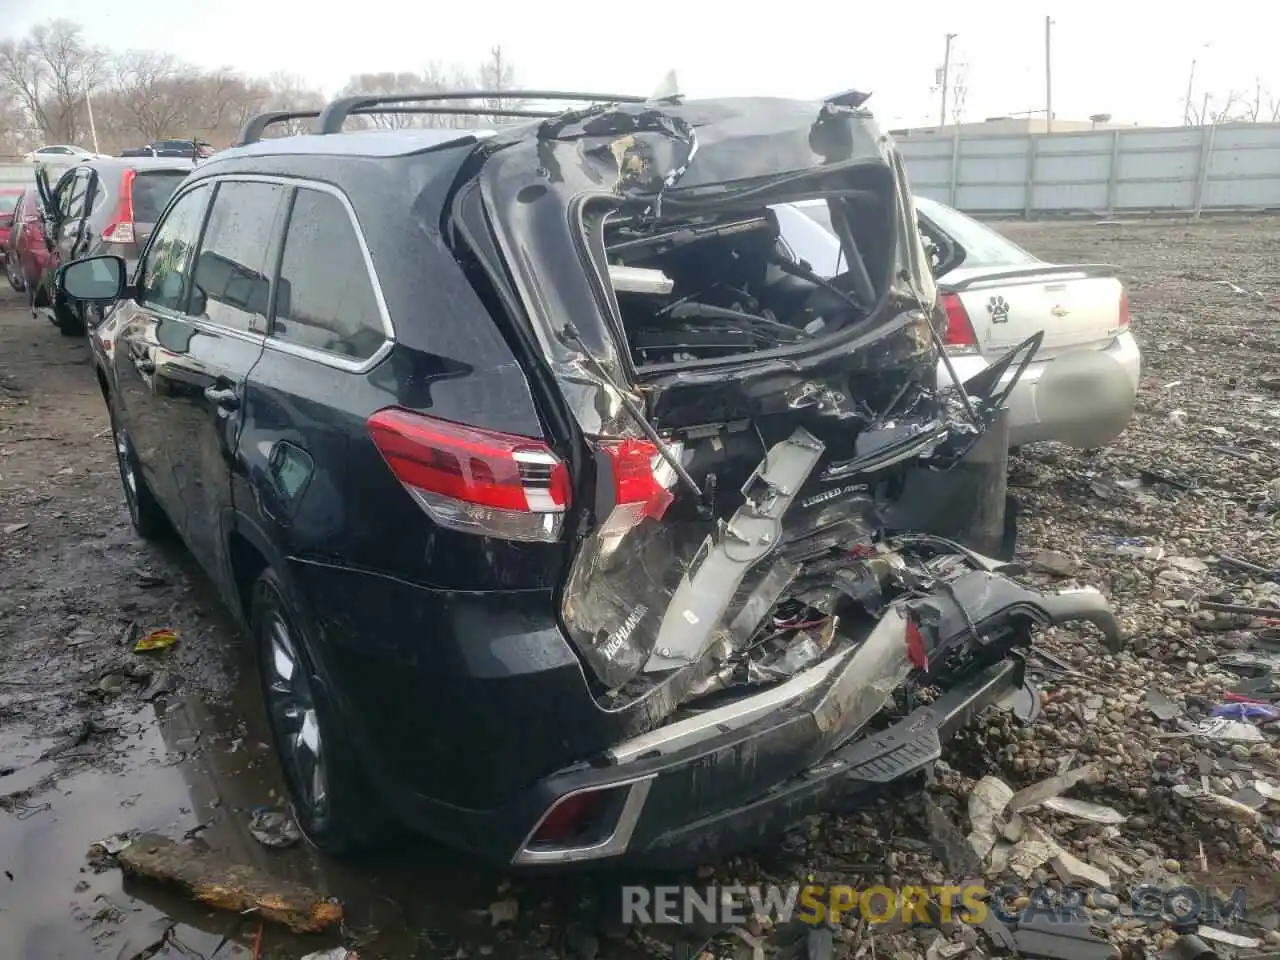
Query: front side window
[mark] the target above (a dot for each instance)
(232, 280)
(325, 298)
(166, 272)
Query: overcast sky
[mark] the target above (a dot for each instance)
(1127, 59)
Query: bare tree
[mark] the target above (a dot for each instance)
(959, 91)
(140, 96)
(153, 94)
(381, 84)
(50, 73)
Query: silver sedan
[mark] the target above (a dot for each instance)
(1081, 386)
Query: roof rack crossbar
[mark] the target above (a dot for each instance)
(335, 114)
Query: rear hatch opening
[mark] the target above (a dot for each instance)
(743, 431)
(699, 282)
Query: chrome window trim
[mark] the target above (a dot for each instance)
(314, 354)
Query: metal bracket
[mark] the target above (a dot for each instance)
(706, 590)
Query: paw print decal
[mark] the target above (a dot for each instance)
(998, 309)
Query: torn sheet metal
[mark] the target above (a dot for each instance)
(754, 531)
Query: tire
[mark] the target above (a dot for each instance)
(67, 319)
(329, 797)
(145, 513)
(13, 272)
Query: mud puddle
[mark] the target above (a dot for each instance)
(194, 770)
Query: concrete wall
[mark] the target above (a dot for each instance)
(1134, 170)
(14, 171)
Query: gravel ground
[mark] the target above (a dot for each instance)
(91, 742)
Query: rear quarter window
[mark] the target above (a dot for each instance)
(151, 193)
(325, 297)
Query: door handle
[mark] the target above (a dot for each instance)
(224, 397)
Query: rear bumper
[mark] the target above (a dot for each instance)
(1084, 398)
(736, 790)
(726, 779)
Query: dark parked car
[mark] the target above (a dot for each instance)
(100, 207)
(190, 149)
(571, 518)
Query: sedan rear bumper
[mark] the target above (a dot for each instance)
(1084, 398)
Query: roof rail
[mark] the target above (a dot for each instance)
(252, 130)
(335, 114)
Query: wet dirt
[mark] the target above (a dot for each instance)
(95, 740)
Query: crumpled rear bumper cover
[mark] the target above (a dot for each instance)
(713, 784)
(852, 774)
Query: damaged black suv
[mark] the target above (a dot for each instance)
(573, 517)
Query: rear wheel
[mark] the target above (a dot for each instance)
(330, 799)
(13, 272)
(67, 318)
(145, 514)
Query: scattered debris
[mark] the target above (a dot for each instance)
(227, 886)
(273, 827)
(1053, 562)
(1162, 706)
(987, 802)
(156, 640)
(334, 953)
(15, 528)
(504, 911)
(1093, 812)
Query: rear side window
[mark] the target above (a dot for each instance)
(166, 273)
(325, 298)
(151, 191)
(232, 284)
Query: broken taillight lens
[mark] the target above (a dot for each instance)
(960, 336)
(1124, 308)
(120, 229)
(476, 481)
(641, 483)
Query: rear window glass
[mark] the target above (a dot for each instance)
(8, 201)
(151, 192)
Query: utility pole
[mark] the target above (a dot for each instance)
(93, 130)
(1048, 75)
(946, 80)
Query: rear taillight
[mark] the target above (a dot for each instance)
(960, 336)
(120, 229)
(1124, 308)
(642, 479)
(477, 481)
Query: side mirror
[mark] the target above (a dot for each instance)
(93, 280)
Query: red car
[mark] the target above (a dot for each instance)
(9, 197)
(25, 251)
